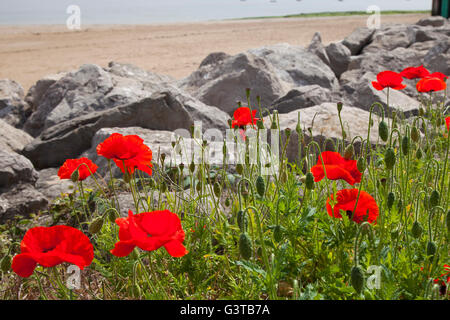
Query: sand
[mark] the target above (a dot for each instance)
(27, 53)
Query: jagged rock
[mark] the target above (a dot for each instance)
(12, 139)
(38, 90)
(391, 37)
(438, 58)
(316, 46)
(214, 58)
(13, 109)
(326, 125)
(297, 66)
(224, 83)
(161, 111)
(358, 39)
(339, 56)
(15, 168)
(435, 21)
(21, 200)
(302, 97)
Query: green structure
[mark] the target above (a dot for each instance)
(441, 8)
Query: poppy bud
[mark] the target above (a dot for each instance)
(405, 145)
(416, 229)
(198, 186)
(230, 123)
(309, 181)
(357, 279)
(247, 93)
(434, 198)
(349, 151)
(163, 157)
(390, 200)
(260, 124)
(242, 221)
(415, 136)
(217, 189)
(5, 263)
(277, 233)
(383, 130)
(389, 158)
(163, 187)
(431, 249)
(260, 187)
(287, 132)
(274, 125)
(112, 216)
(96, 225)
(419, 153)
(399, 205)
(339, 106)
(227, 202)
(245, 246)
(239, 168)
(298, 129)
(75, 176)
(421, 112)
(192, 167)
(361, 164)
(433, 147)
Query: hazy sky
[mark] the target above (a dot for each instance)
(155, 11)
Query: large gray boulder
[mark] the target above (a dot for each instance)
(438, 58)
(37, 91)
(51, 186)
(302, 97)
(12, 139)
(390, 37)
(297, 66)
(13, 109)
(161, 111)
(223, 83)
(14, 169)
(339, 56)
(435, 21)
(358, 39)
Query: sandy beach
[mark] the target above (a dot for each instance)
(27, 53)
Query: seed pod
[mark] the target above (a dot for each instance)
(5, 263)
(416, 229)
(181, 166)
(431, 249)
(96, 225)
(399, 205)
(198, 187)
(192, 167)
(163, 186)
(277, 233)
(415, 136)
(242, 221)
(260, 124)
(309, 181)
(390, 200)
(419, 153)
(434, 198)
(339, 106)
(227, 202)
(239, 168)
(389, 158)
(383, 130)
(349, 151)
(361, 164)
(112, 216)
(405, 145)
(357, 279)
(260, 187)
(245, 246)
(217, 189)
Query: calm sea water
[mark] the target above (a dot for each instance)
(159, 11)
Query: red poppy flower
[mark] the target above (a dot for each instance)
(50, 246)
(429, 84)
(367, 209)
(444, 280)
(129, 150)
(336, 168)
(242, 117)
(70, 165)
(415, 72)
(150, 231)
(447, 122)
(389, 79)
(439, 75)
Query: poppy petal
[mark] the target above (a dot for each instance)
(23, 264)
(175, 249)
